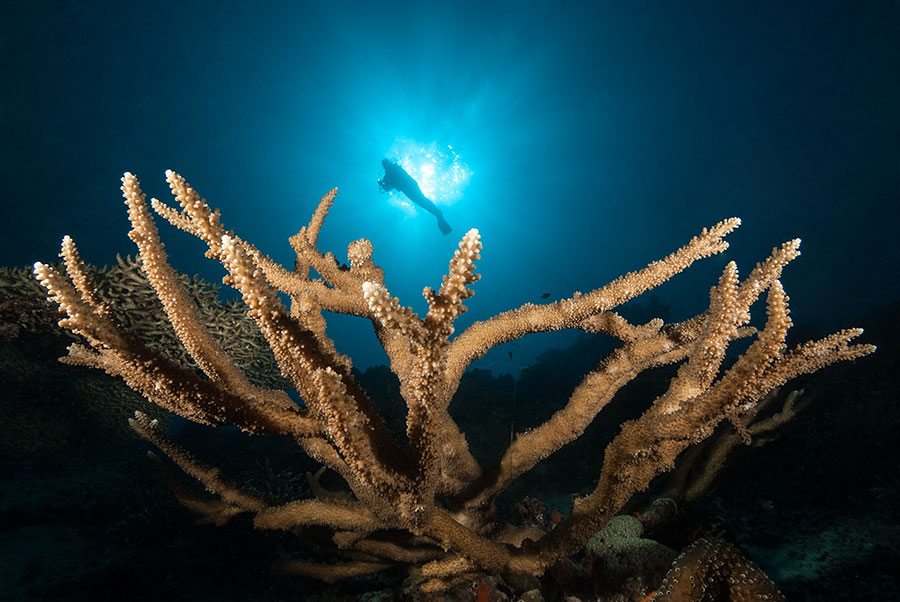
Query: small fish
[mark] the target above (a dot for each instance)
(482, 591)
(545, 296)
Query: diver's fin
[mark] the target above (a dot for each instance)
(444, 226)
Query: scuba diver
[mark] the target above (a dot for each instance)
(396, 178)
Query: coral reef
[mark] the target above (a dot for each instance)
(47, 407)
(426, 501)
(711, 570)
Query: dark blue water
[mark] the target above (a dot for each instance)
(596, 136)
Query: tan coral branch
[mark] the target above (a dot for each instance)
(408, 488)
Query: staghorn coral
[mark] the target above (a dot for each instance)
(132, 301)
(75, 407)
(427, 502)
(45, 408)
(696, 469)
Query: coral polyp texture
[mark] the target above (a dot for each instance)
(425, 501)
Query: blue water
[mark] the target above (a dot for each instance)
(597, 136)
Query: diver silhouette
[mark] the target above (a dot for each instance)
(396, 178)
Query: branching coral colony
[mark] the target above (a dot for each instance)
(428, 503)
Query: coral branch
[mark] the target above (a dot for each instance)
(426, 501)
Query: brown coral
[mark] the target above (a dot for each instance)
(429, 489)
(713, 570)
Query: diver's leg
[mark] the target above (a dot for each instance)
(428, 205)
(443, 225)
(424, 202)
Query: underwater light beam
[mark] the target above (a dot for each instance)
(396, 178)
(438, 169)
